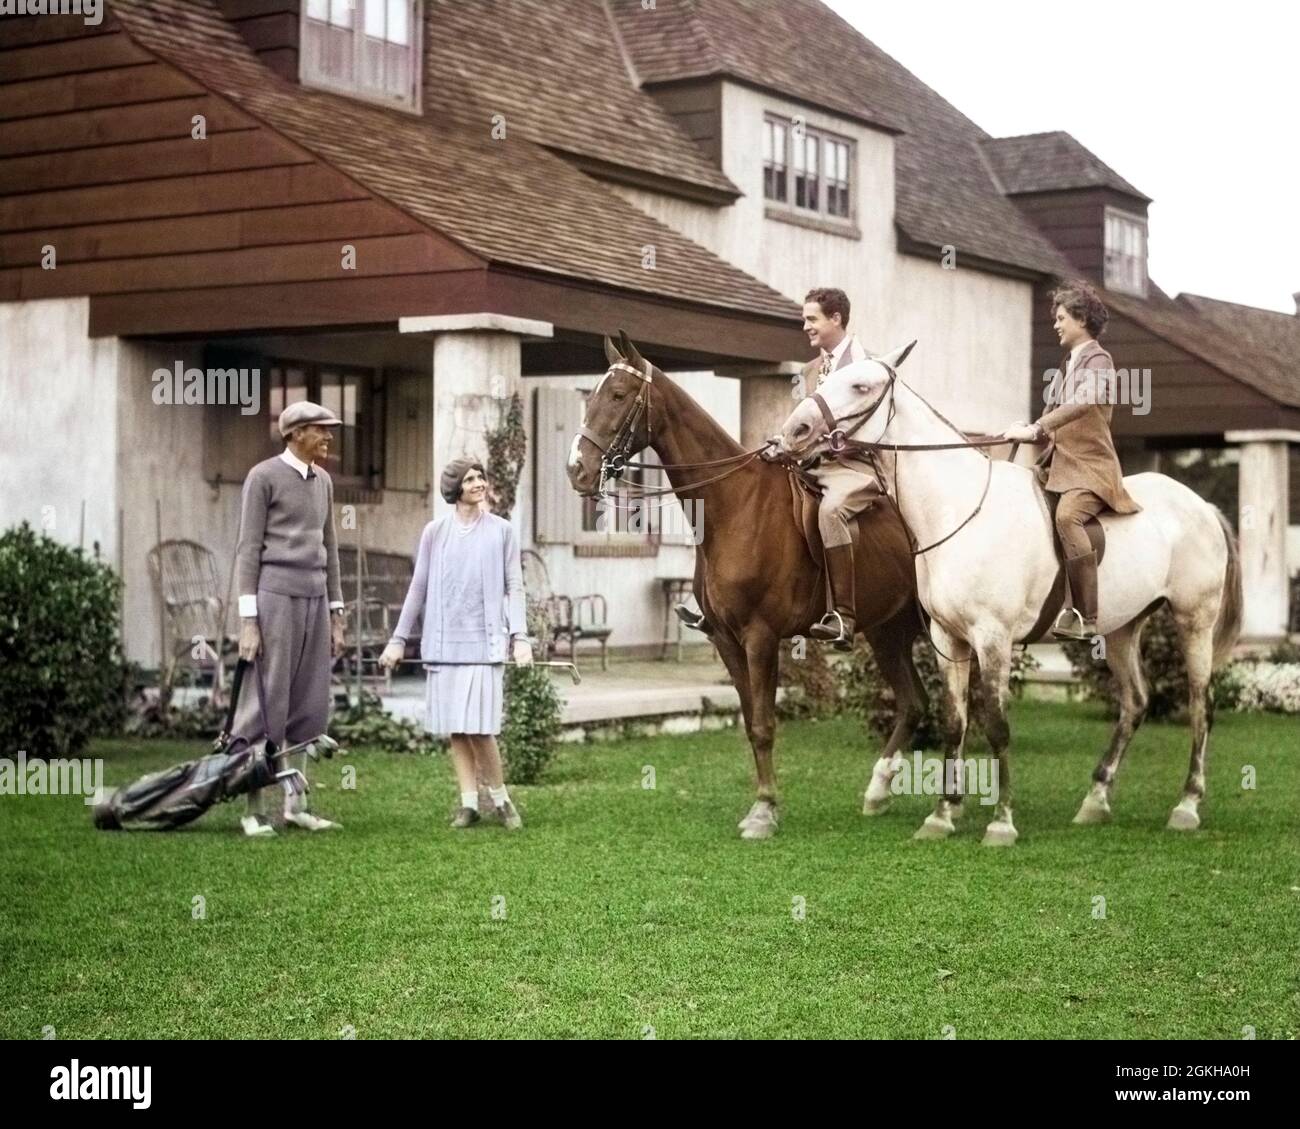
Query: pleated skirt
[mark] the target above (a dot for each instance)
(464, 699)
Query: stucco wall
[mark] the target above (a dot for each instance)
(58, 424)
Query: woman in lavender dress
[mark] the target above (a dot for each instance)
(469, 589)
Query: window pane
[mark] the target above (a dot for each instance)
(318, 9)
(341, 13)
(375, 18)
(799, 155)
(399, 30)
(767, 142)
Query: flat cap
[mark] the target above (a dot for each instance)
(304, 412)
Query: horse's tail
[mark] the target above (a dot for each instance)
(1228, 626)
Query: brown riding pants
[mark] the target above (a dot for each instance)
(1075, 509)
(849, 486)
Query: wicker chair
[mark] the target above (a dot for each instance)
(185, 578)
(574, 618)
(385, 578)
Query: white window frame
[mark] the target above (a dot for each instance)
(411, 100)
(824, 139)
(1124, 270)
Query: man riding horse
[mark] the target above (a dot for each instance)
(847, 483)
(1084, 468)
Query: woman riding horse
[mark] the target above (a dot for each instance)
(1085, 469)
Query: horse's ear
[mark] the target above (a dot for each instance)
(629, 352)
(612, 355)
(898, 356)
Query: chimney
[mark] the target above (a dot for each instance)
(1296, 298)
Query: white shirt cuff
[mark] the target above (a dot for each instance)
(336, 604)
(247, 606)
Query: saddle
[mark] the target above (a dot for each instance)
(1056, 597)
(805, 498)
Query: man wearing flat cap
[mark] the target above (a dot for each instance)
(290, 599)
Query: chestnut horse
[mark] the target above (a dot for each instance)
(755, 578)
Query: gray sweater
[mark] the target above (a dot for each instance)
(286, 533)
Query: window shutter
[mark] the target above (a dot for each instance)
(557, 509)
(233, 443)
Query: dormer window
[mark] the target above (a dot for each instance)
(806, 174)
(1126, 252)
(365, 48)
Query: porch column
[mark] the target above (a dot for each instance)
(768, 393)
(477, 366)
(1264, 493)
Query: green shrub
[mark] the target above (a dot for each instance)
(530, 725)
(366, 724)
(1284, 652)
(60, 647)
(871, 696)
(812, 685)
(1162, 663)
(823, 683)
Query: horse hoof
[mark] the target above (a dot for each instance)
(759, 830)
(872, 806)
(1183, 818)
(934, 828)
(1092, 811)
(1000, 835)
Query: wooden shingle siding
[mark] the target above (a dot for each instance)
(97, 160)
(1075, 222)
(115, 125)
(696, 108)
(272, 28)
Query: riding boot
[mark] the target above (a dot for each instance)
(838, 625)
(691, 618)
(1079, 621)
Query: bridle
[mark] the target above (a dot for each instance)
(840, 442)
(615, 456)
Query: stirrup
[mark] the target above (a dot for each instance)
(832, 627)
(1072, 630)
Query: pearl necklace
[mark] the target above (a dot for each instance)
(462, 528)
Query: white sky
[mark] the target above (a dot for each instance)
(1195, 104)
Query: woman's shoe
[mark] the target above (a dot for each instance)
(509, 816)
(465, 817)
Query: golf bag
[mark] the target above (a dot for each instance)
(176, 796)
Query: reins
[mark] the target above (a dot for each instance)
(614, 458)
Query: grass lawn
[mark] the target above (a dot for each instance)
(628, 909)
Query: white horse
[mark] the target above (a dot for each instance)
(986, 565)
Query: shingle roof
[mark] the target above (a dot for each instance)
(556, 70)
(510, 201)
(1264, 333)
(1051, 162)
(1219, 338)
(944, 191)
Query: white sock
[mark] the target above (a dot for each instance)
(469, 799)
(499, 795)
